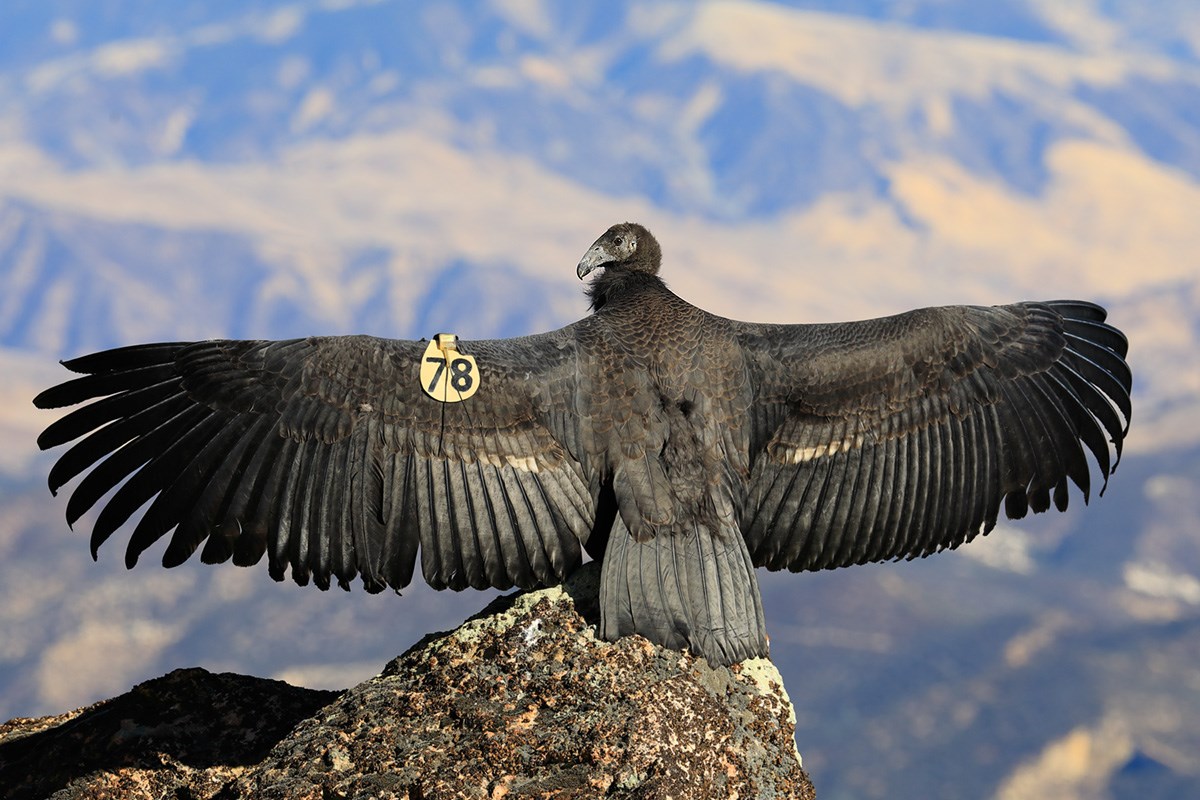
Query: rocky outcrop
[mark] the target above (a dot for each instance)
(520, 701)
(184, 735)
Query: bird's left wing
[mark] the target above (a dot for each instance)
(329, 455)
(901, 436)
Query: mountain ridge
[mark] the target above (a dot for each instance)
(271, 169)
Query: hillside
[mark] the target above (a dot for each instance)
(269, 169)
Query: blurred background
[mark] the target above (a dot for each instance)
(247, 168)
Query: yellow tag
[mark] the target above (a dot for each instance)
(446, 374)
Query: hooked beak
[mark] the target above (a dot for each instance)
(595, 257)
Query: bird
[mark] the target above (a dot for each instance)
(680, 449)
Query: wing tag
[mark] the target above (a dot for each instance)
(447, 375)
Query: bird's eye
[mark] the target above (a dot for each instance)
(618, 241)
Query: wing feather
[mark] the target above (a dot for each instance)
(254, 487)
(902, 436)
(871, 511)
(914, 528)
(900, 496)
(1044, 460)
(171, 470)
(111, 381)
(858, 469)
(502, 525)
(326, 454)
(937, 464)
(145, 483)
(1106, 372)
(400, 539)
(952, 515)
(212, 509)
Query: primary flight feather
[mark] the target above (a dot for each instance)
(680, 448)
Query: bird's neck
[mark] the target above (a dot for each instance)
(618, 284)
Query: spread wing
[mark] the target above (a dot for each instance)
(902, 436)
(326, 454)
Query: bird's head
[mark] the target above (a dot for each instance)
(627, 245)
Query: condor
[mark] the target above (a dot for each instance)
(681, 449)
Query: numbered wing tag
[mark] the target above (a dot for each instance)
(447, 375)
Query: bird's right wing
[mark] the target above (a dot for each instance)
(328, 454)
(900, 436)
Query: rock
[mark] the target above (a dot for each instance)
(183, 735)
(521, 701)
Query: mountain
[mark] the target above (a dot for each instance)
(269, 169)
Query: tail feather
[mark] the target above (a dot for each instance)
(651, 502)
(691, 589)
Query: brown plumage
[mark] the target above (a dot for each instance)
(682, 448)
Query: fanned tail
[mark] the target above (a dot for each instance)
(691, 589)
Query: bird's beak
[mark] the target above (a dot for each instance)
(596, 256)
